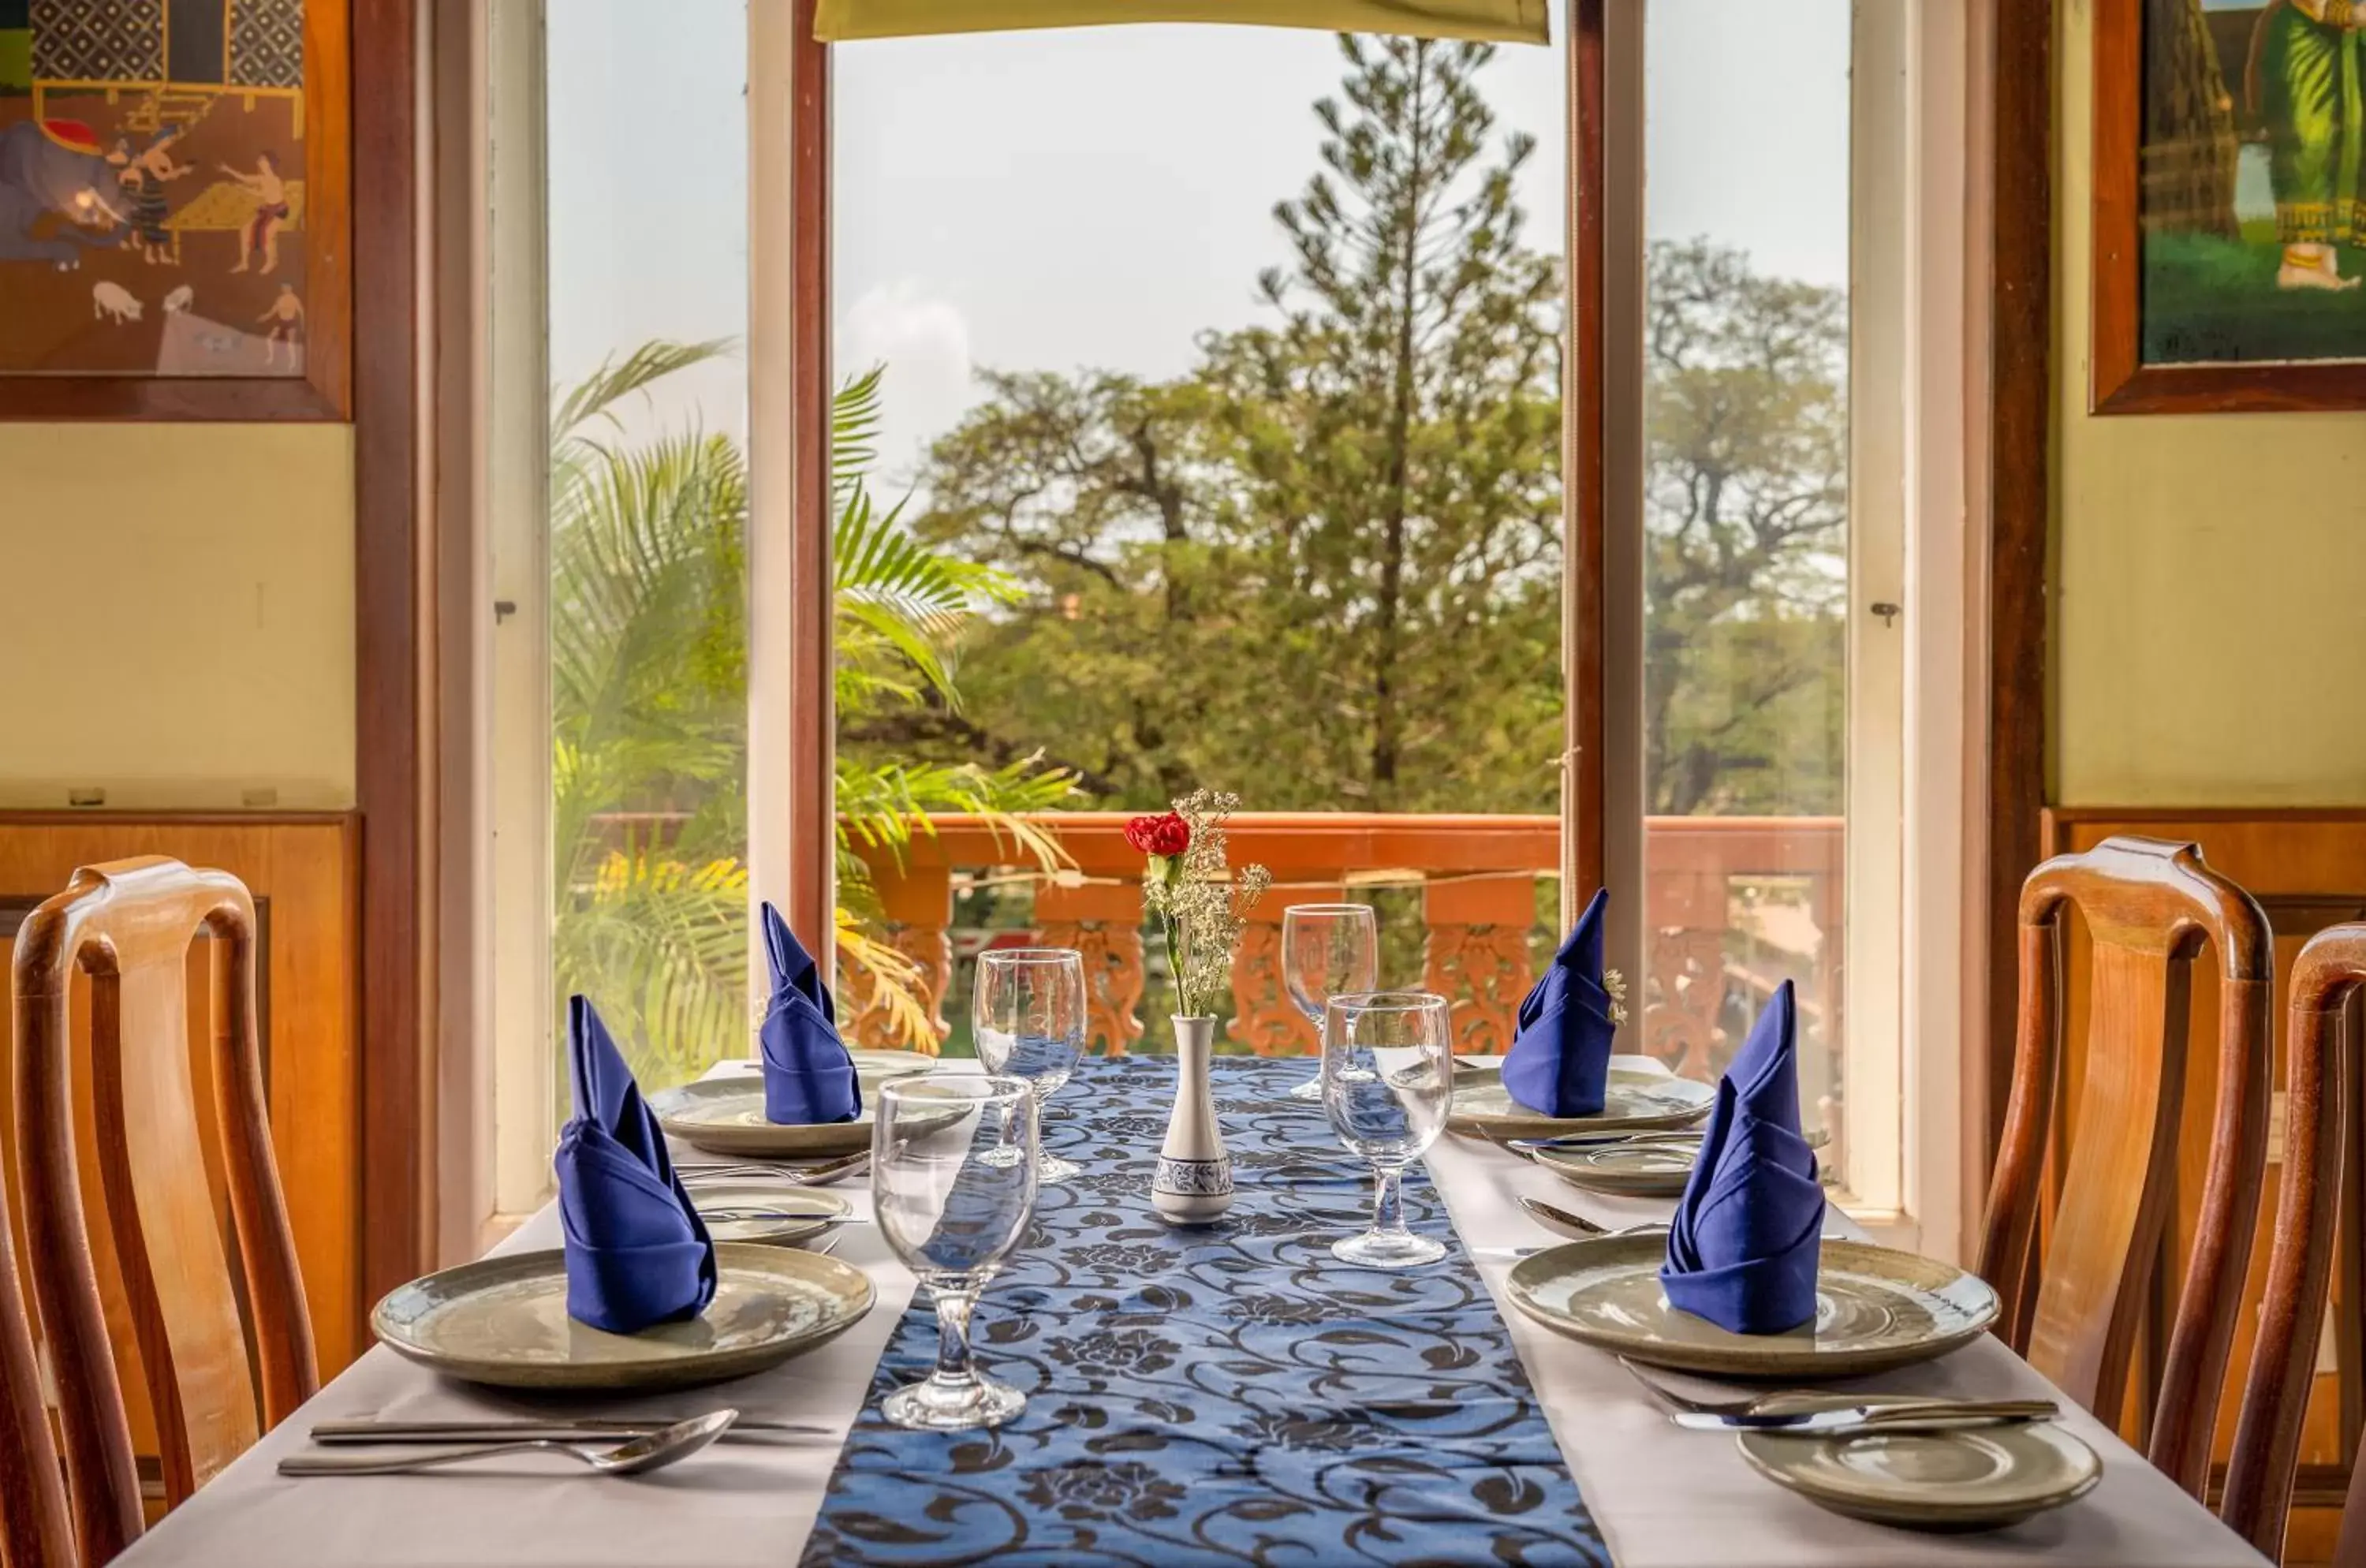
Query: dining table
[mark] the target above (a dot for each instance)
(1654, 1494)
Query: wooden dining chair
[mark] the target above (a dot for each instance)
(34, 1528)
(2329, 972)
(2148, 906)
(128, 925)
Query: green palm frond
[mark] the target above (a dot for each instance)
(596, 396)
(887, 806)
(854, 421)
(661, 948)
(648, 698)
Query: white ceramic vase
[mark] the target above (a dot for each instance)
(1194, 1181)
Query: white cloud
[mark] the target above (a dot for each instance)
(924, 341)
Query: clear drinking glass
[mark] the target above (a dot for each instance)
(1327, 950)
(1388, 1073)
(952, 1185)
(1027, 1011)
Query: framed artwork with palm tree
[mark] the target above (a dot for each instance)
(2229, 206)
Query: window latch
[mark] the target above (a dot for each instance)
(1887, 611)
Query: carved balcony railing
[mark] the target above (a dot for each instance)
(1733, 906)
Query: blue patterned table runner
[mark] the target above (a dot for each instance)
(1230, 1394)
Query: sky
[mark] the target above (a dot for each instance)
(1095, 197)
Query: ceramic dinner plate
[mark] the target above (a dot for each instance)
(777, 1214)
(1637, 1099)
(1980, 1478)
(726, 1115)
(504, 1321)
(1875, 1308)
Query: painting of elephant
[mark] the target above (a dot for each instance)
(53, 169)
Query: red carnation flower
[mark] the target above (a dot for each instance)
(1168, 835)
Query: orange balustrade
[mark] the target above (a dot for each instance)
(1477, 877)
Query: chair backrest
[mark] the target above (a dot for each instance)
(34, 1528)
(128, 925)
(2330, 971)
(2148, 906)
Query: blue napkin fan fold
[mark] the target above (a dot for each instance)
(1560, 1061)
(1743, 1246)
(809, 1073)
(637, 1252)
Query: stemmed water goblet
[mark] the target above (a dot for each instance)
(952, 1187)
(1327, 950)
(1387, 1075)
(1027, 1011)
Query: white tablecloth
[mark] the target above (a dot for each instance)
(1663, 1498)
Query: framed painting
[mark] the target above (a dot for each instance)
(175, 191)
(2229, 206)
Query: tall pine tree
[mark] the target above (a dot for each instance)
(1400, 429)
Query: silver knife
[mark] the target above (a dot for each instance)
(499, 1429)
(1917, 1416)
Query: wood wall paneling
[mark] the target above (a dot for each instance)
(2308, 871)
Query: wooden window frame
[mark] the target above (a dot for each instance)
(1992, 792)
(792, 719)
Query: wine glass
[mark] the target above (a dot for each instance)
(1326, 950)
(1388, 1073)
(953, 1184)
(1027, 1011)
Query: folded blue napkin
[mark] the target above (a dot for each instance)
(1743, 1244)
(1560, 1061)
(637, 1253)
(809, 1073)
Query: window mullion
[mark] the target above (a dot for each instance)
(792, 717)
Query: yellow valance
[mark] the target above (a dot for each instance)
(1511, 21)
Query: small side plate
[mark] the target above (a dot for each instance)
(791, 1215)
(726, 1115)
(1637, 1099)
(1649, 1167)
(1980, 1478)
(1625, 1170)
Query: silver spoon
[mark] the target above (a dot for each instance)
(652, 1450)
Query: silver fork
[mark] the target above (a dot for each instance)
(823, 1175)
(1750, 1403)
(1740, 1405)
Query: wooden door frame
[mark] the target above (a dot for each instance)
(2013, 251)
(392, 647)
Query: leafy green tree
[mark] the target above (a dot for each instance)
(1400, 431)
(1746, 517)
(1324, 567)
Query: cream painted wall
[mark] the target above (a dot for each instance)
(177, 608)
(2209, 636)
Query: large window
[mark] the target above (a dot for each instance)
(1254, 419)
(1750, 532)
(1196, 397)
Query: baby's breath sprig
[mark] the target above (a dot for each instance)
(1201, 904)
